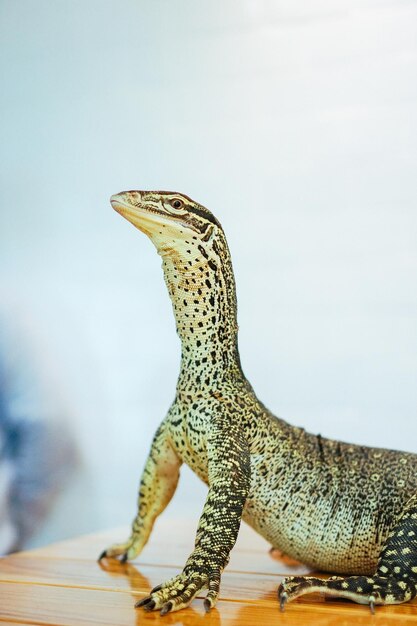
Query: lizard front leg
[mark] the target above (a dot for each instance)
(157, 486)
(229, 480)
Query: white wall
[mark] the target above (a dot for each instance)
(295, 122)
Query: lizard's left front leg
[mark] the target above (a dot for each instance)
(229, 480)
(157, 486)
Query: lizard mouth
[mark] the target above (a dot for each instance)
(124, 207)
(145, 216)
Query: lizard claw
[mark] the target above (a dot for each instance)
(166, 608)
(124, 551)
(372, 604)
(143, 602)
(103, 555)
(283, 597)
(150, 605)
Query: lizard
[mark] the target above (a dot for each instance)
(335, 506)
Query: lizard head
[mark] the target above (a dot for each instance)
(196, 263)
(168, 218)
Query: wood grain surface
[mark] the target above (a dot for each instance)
(63, 585)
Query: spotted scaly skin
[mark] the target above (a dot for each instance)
(337, 507)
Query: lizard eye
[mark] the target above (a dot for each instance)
(177, 204)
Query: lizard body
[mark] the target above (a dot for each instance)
(332, 505)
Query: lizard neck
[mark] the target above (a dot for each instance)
(200, 281)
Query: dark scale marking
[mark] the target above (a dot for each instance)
(203, 251)
(334, 506)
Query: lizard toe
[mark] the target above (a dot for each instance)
(125, 551)
(176, 594)
(143, 602)
(213, 592)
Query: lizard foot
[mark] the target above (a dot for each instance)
(178, 592)
(370, 590)
(278, 555)
(126, 551)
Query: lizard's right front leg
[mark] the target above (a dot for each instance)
(229, 483)
(157, 486)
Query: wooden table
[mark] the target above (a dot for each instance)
(63, 584)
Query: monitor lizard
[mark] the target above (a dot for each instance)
(337, 507)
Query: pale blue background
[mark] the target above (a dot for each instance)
(295, 122)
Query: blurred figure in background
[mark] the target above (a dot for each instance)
(37, 450)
